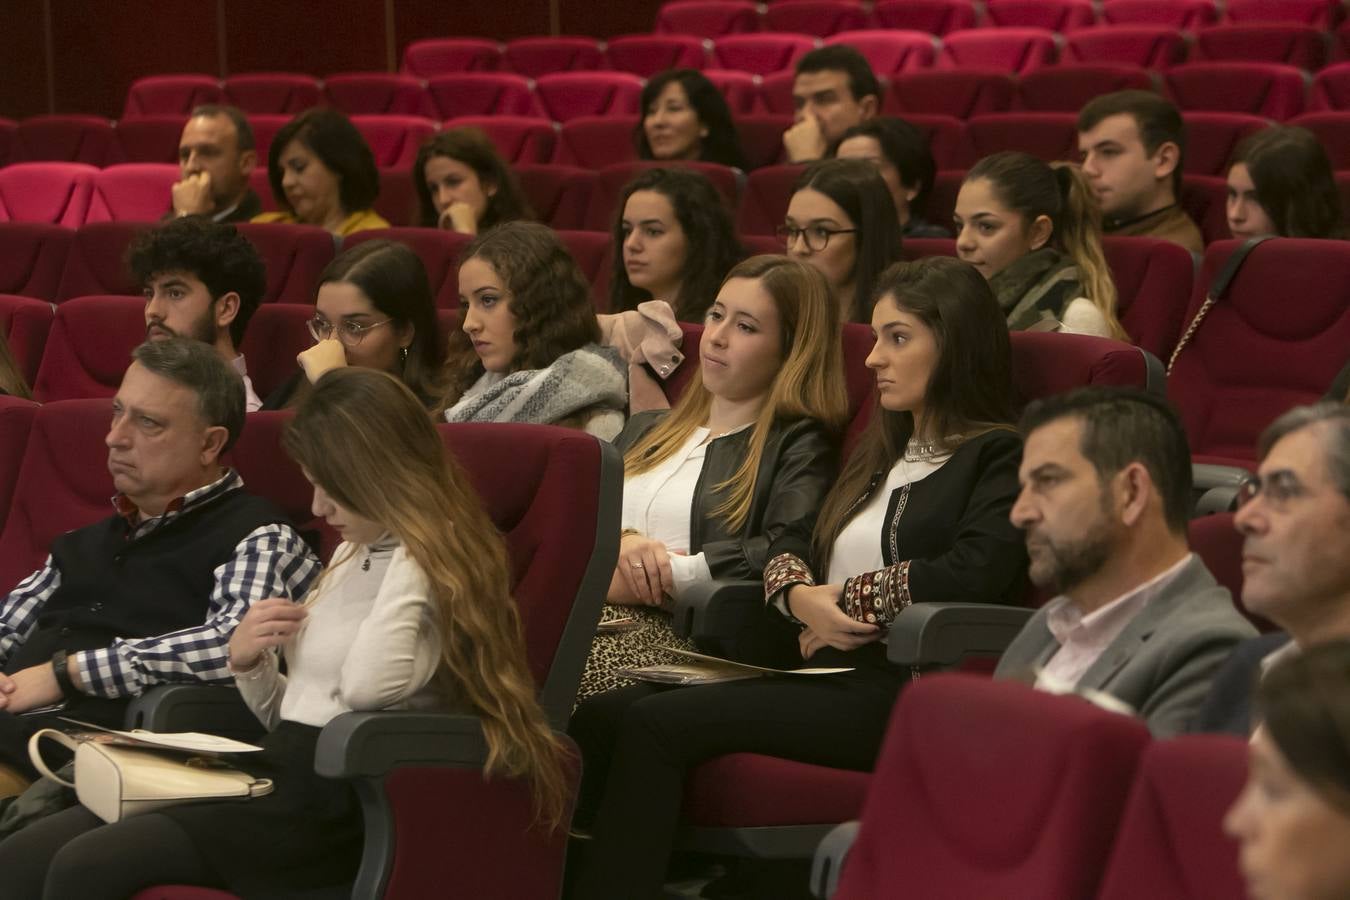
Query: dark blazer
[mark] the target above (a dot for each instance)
(799, 463)
(1228, 707)
(249, 206)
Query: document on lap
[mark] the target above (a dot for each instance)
(182, 741)
(698, 668)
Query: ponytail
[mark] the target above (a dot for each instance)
(1078, 235)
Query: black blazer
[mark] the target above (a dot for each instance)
(799, 463)
(1228, 707)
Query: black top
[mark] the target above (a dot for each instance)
(249, 206)
(1228, 707)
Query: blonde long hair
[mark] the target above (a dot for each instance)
(366, 439)
(809, 383)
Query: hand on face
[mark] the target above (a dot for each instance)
(804, 141)
(322, 357)
(461, 217)
(192, 196)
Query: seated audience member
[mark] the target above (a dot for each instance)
(834, 89)
(1292, 819)
(1280, 183)
(1133, 144)
(1032, 230)
(1106, 487)
(749, 448)
(919, 513)
(840, 220)
(216, 156)
(373, 309)
(673, 241)
(900, 152)
(685, 116)
(150, 594)
(527, 349)
(411, 614)
(202, 281)
(464, 185)
(1295, 522)
(323, 173)
(11, 379)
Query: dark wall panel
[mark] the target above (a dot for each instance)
(23, 89)
(319, 37)
(415, 20)
(606, 20)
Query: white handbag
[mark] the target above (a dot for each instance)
(116, 782)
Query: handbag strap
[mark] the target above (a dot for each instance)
(1217, 288)
(35, 752)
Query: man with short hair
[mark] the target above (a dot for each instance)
(202, 281)
(216, 155)
(1106, 483)
(1295, 523)
(152, 593)
(1133, 144)
(833, 89)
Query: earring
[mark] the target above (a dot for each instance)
(403, 355)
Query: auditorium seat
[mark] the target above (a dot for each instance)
(1014, 50)
(260, 185)
(592, 251)
(918, 248)
(150, 139)
(25, 324)
(1332, 130)
(171, 95)
(1052, 15)
(933, 16)
(762, 137)
(1303, 46)
(1178, 14)
(536, 56)
(741, 89)
(1148, 46)
(57, 193)
(376, 93)
(1211, 138)
(814, 17)
(1171, 842)
(273, 92)
(394, 139)
(1331, 88)
(7, 127)
(133, 192)
(397, 201)
(1068, 88)
(439, 56)
(294, 256)
(1262, 89)
(275, 335)
(947, 139)
(1219, 545)
(265, 127)
(1046, 135)
(481, 94)
(64, 138)
(762, 53)
(764, 201)
(775, 92)
(564, 95)
(707, 18)
(1205, 199)
(96, 263)
(960, 93)
(593, 142)
(942, 198)
(32, 257)
(648, 54)
(89, 347)
(1153, 283)
(612, 179)
(889, 51)
(559, 195)
(519, 139)
(439, 251)
(16, 420)
(1318, 13)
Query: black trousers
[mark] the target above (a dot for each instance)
(637, 743)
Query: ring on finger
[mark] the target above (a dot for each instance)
(637, 565)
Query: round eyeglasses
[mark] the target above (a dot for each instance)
(349, 334)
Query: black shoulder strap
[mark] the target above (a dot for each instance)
(1219, 286)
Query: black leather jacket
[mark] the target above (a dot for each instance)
(799, 464)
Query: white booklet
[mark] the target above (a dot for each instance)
(698, 668)
(183, 741)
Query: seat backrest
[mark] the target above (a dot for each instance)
(172, 95)
(273, 92)
(559, 195)
(815, 17)
(707, 18)
(593, 142)
(96, 261)
(564, 95)
(294, 256)
(1262, 89)
(612, 180)
(740, 89)
(1150, 46)
(1053, 15)
(424, 59)
(78, 139)
(376, 93)
(888, 51)
(16, 420)
(1046, 135)
(647, 54)
(1304, 46)
(132, 192)
(960, 93)
(1218, 543)
(438, 250)
(1321, 13)
(52, 192)
(1049, 363)
(1005, 49)
(397, 200)
(457, 94)
(150, 139)
(25, 324)
(1205, 200)
(594, 255)
(760, 53)
(1067, 88)
(89, 347)
(265, 128)
(519, 139)
(536, 56)
(1171, 841)
(32, 256)
(948, 140)
(1211, 138)
(1176, 14)
(276, 335)
(394, 140)
(1153, 286)
(1331, 88)
(1332, 130)
(762, 138)
(1006, 792)
(933, 16)
(765, 200)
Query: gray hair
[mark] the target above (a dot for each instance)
(1336, 419)
(197, 366)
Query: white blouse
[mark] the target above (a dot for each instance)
(857, 549)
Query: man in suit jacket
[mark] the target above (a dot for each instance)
(1295, 520)
(216, 155)
(1106, 483)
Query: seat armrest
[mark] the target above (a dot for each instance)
(713, 614)
(214, 709)
(828, 863)
(941, 635)
(1218, 487)
(370, 744)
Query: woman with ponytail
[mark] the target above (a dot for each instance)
(413, 613)
(1033, 230)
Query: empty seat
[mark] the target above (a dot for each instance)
(273, 92)
(1178, 14)
(612, 179)
(440, 56)
(149, 139)
(172, 95)
(46, 192)
(890, 51)
(1047, 135)
(1068, 88)
(760, 54)
(519, 139)
(1318, 13)
(376, 93)
(1212, 136)
(89, 347)
(594, 142)
(952, 92)
(1332, 130)
(593, 252)
(265, 127)
(947, 141)
(817, 17)
(438, 250)
(775, 92)
(1053, 15)
(16, 421)
(1005, 49)
(1153, 285)
(1205, 198)
(397, 201)
(25, 323)
(647, 54)
(1304, 46)
(394, 139)
(536, 56)
(134, 192)
(762, 137)
(1262, 89)
(276, 335)
(942, 199)
(76, 139)
(32, 257)
(564, 96)
(481, 94)
(294, 256)
(559, 195)
(1331, 88)
(1149, 46)
(933, 16)
(96, 261)
(740, 89)
(764, 201)
(707, 18)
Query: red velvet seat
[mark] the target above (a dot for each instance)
(593, 252)
(89, 347)
(276, 334)
(815, 17)
(1046, 135)
(440, 56)
(992, 789)
(1319, 13)
(149, 139)
(942, 199)
(559, 195)
(273, 92)
(1053, 15)
(1068, 88)
(1016, 50)
(32, 256)
(294, 256)
(64, 138)
(918, 248)
(765, 200)
(482, 94)
(933, 16)
(1149, 46)
(1171, 844)
(265, 127)
(1205, 198)
(7, 127)
(536, 56)
(439, 251)
(948, 140)
(134, 192)
(648, 54)
(25, 323)
(1303, 46)
(1211, 138)
(519, 139)
(707, 18)
(1153, 282)
(613, 179)
(1262, 89)
(593, 142)
(376, 93)
(775, 91)
(1179, 14)
(760, 54)
(394, 139)
(564, 96)
(762, 137)
(1219, 545)
(1332, 130)
(1331, 88)
(397, 201)
(741, 89)
(96, 261)
(16, 420)
(890, 51)
(173, 95)
(961, 93)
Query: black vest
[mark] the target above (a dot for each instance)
(112, 587)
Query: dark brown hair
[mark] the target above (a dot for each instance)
(721, 145)
(330, 136)
(1157, 119)
(474, 149)
(1293, 180)
(1304, 703)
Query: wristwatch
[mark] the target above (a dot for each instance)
(63, 681)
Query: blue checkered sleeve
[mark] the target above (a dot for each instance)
(19, 613)
(272, 561)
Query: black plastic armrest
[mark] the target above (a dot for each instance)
(214, 709)
(1218, 487)
(370, 744)
(828, 863)
(943, 634)
(715, 611)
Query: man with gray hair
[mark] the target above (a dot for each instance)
(152, 593)
(1295, 522)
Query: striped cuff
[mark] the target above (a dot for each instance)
(876, 598)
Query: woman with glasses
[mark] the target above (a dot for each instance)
(841, 220)
(373, 309)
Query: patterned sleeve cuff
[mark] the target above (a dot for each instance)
(877, 597)
(782, 572)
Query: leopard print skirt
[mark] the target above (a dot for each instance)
(636, 647)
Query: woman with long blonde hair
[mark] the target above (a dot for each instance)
(414, 612)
